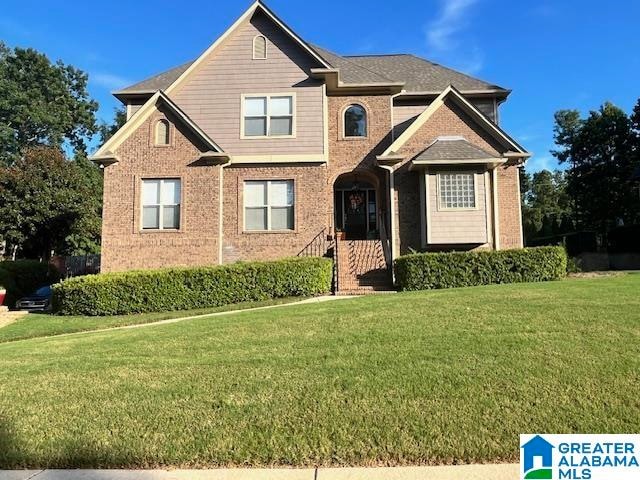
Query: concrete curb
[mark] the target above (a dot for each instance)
(454, 472)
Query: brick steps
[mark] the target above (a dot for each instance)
(361, 267)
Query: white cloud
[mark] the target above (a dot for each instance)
(452, 19)
(541, 162)
(443, 37)
(108, 80)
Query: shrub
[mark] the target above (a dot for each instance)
(425, 271)
(22, 277)
(189, 288)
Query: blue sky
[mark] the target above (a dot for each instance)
(553, 54)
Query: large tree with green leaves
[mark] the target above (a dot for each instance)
(42, 103)
(547, 208)
(49, 204)
(600, 154)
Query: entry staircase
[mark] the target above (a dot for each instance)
(361, 267)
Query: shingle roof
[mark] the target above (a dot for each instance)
(157, 82)
(350, 72)
(452, 149)
(419, 75)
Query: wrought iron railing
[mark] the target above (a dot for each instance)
(321, 245)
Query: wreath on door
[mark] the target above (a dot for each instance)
(356, 200)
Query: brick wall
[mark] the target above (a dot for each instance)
(313, 185)
(509, 207)
(124, 245)
(450, 120)
(311, 212)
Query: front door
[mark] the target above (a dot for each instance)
(355, 209)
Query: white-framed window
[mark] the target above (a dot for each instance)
(162, 132)
(268, 116)
(457, 190)
(161, 204)
(268, 205)
(259, 47)
(355, 121)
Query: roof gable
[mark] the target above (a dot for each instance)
(246, 16)
(451, 93)
(107, 151)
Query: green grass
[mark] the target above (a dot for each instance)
(45, 325)
(414, 378)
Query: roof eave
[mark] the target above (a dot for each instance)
(499, 93)
(331, 77)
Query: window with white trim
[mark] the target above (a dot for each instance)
(259, 48)
(268, 205)
(161, 204)
(268, 116)
(457, 190)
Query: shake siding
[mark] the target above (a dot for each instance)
(457, 226)
(212, 95)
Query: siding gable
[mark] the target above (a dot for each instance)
(211, 96)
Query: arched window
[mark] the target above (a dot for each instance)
(355, 121)
(259, 48)
(162, 132)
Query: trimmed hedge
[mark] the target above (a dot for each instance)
(22, 277)
(190, 288)
(424, 271)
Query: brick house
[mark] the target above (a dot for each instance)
(267, 146)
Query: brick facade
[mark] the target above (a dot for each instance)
(124, 245)
(450, 120)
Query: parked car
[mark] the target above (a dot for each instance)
(38, 301)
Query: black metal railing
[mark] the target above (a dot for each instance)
(321, 245)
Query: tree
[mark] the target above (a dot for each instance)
(106, 130)
(48, 204)
(547, 208)
(42, 104)
(599, 151)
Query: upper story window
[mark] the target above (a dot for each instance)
(259, 48)
(162, 132)
(161, 204)
(355, 121)
(457, 190)
(268, 116)
(268, 205)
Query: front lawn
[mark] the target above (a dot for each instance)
(444, 376)
(46, 325)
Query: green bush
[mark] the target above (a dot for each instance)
(425, 271)
(22, 277)
(190, 288)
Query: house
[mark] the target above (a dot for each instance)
(267, 146)
(540, 448)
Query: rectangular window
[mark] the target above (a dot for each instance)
(268, 116)
(457, 190)
(161, 204)
(268, 205)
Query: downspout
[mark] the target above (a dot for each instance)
(221, 208)
(496, 210)
(392, 218)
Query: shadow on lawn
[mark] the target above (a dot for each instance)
(67, 454)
